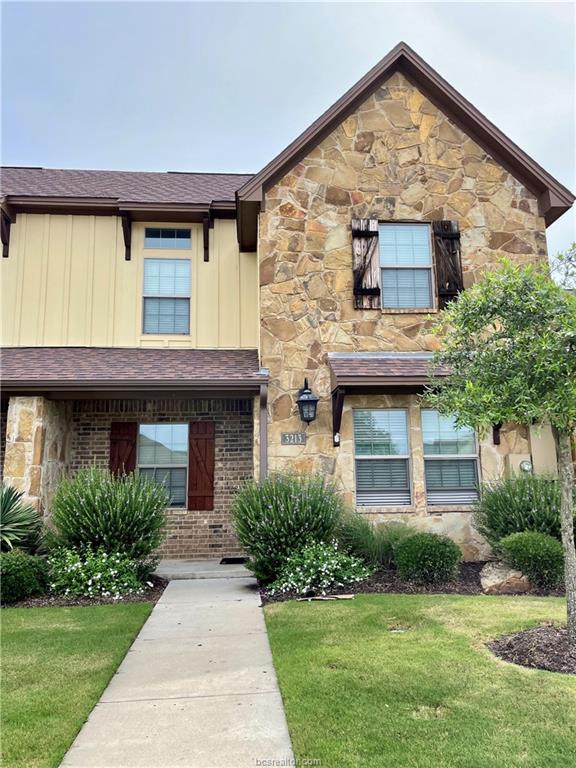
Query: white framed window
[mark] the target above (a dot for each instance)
(166, 307)
(167, 238)
(163, 456)
(405, 266)
(450, 460)
(382, 457)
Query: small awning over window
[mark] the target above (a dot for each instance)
(391, 373)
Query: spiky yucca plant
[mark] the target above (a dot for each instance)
(19, 523)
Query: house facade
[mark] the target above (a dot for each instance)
(166, 323)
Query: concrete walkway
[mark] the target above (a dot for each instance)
(200, 569)
(196, 689)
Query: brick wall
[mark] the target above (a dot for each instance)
(201, 535)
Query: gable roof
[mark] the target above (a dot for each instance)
(123, 186)
(554, 198)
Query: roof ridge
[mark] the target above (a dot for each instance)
(116, 170)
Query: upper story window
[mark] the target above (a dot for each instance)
(406, 266)
(163, 456)
(382, 457)
(166, 296)
(179, 239)
(450, 460)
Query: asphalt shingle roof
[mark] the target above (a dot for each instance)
(125, 186)
(373, 365)
(105, 365)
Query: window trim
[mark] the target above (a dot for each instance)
(431, 268)
(450, 457)
(185, 466)
(167, 247)
(407, 458)
(145, 296)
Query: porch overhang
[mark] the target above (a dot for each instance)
(374, 373)
(88, 372)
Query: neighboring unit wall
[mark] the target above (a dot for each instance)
(66, 283)
(191, 534)
(397, 158)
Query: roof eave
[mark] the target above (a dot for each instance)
(136, 385)
(115, 207)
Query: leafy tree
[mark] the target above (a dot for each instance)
(509, 353)
(563, 267)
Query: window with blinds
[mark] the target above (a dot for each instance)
(163, 456)
(166, 296)
(382, 457)
(168, 238)
(406, 266)
(450, 460)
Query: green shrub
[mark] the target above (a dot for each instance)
(93, 574)
(280, 515)
(19, 523)
(317, 568)
(537, 555)
(427, 558)
(96, 509)
(516, 504)
(22, 576)
(374, 544)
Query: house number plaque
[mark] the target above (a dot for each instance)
(293, 438)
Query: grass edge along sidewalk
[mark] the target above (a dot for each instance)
(56, 663)
(386, 680)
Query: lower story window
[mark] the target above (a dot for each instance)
(382, 457)
(450, 460)
(163, 456)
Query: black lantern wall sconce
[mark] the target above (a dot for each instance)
(307, 403)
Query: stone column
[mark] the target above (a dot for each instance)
(36, 452)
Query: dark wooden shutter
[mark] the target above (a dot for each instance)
(448, 262)
(123, 438)
(366, 264)
(201, 445)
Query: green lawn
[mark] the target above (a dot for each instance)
(56, 663)
(405, 681)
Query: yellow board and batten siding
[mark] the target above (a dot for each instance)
(66, 283)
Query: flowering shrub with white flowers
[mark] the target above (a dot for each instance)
(318, 568)
(283, 513)
(87, 573)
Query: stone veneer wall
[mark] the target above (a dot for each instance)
(3, 420)
(191, 534)
(36, 447)
(397, 158)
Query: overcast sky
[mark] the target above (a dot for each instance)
(226, 86)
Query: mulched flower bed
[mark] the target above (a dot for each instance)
(540, 648)
(150, 595)
(467, 583)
